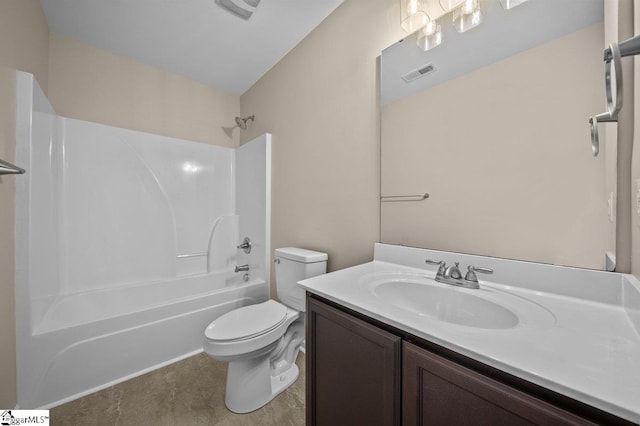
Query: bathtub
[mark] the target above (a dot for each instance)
(83, 346)
(126, 247)
(126, 243)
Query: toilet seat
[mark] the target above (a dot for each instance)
(247, 322)
(248, 331)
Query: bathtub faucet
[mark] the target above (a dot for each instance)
(242, 268)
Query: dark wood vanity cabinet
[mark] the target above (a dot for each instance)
(439, 392)
(363, 372)
(355, 368)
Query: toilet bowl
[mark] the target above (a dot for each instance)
(261, 342)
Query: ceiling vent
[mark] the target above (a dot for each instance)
(242, 8)
(414, 75)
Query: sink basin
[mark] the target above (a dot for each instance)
(484, 308)
(446, 304)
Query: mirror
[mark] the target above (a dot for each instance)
(493, 125)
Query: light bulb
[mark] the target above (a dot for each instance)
(430, 36)
(449, 5)
(467, 16)
(430, 28)
(412, 7)
(476, 17)
(416, 16)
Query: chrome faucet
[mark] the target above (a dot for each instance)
(452, 275)
(242, 268)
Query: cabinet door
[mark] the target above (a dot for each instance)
(353, 370)
(438, 392)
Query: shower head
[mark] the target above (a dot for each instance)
(242, 122)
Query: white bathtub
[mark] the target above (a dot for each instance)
(86, 346)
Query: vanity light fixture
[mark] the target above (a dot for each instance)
(413, 15)
(448, 5)
(430, 36)
(467, 16)
(425, 16)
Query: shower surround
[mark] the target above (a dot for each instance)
(126, 247)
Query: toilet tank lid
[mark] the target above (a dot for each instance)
(301, 255)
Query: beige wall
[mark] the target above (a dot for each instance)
(24, 39)
(504, 154)
(321, 104)
(92, 84)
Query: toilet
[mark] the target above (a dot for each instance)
(261, 342)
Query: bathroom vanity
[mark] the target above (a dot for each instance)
(554, 346)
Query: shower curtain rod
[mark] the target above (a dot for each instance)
(7, 168)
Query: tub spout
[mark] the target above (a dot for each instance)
(242, 268)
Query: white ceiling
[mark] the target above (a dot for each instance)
(195, 38)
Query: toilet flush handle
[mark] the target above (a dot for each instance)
(276, 260)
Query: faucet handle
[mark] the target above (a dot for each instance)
(246, 245)
(442, 265)
(471, 273)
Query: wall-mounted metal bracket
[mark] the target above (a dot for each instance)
(613, 90)
(7, 168)
(613, 85)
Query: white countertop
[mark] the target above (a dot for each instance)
(587, 348)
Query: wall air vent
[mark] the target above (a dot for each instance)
(416, 74)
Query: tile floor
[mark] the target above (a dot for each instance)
(189, 392)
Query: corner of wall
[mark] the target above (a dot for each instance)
(24, 45)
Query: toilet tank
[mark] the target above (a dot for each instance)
(296, 264)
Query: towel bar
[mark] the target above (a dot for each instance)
(397, 198)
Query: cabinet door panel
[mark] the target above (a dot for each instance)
(353, 370)
(437, 391)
